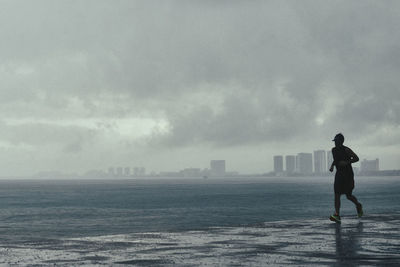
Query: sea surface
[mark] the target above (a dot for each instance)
(46, 215)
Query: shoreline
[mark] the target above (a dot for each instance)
(371, 240)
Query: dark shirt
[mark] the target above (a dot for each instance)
(344, 177)
(340, 154)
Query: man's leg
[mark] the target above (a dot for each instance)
(358, 204)
(335, 217)
(353, 199)
(337, 203)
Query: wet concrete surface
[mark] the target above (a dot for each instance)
(373, 240)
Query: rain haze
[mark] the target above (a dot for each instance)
(174, 84)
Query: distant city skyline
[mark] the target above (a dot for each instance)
(317, 162)
(217, 168)
(302, 163)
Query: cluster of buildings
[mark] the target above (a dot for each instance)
(370, 165)
(126, 171)
(217, 169)
(318, 162)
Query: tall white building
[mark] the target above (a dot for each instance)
(320, 161)
(278, 164)
(329, 156)
(290, 164)
(304, 163)
(217, 167)
(370, 165)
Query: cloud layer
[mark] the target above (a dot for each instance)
(88, 84)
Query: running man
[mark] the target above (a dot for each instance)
(343, 157)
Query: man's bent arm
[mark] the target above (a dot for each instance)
(353, 156)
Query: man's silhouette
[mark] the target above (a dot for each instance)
(343, 157)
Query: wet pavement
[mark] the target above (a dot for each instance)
(372, 240)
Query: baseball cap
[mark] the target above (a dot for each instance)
(338, 137)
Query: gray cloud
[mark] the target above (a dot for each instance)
(218, 74)
(43, 134)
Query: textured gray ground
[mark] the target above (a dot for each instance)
(372, 240)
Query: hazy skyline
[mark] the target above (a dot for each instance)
(174, 84)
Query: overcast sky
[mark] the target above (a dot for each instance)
(173, 84)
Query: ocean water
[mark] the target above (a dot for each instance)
(32, 212)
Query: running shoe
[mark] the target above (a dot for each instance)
(335, 218)
(360, 211)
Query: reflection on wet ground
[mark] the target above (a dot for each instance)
(372, 240)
